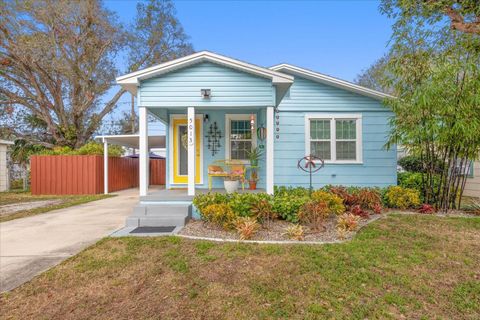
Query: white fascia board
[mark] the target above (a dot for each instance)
(322, 78)
(132, 80)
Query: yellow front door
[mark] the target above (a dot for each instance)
(180, 154)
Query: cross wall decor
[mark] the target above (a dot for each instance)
(213, 138)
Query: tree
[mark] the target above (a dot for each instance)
(373, 77)
(464, 15)
(435, 73)
(58, 61)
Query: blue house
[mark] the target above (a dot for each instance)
(217, 109)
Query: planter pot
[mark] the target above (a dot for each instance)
(252, 184)
(230, 186)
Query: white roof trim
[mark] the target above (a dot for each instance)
(132, 80)
(342, 84)
(6, 142)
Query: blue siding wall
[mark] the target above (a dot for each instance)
(218, 116)
(230, 88)
(379, 165)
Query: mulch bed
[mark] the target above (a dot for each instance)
(275, 231)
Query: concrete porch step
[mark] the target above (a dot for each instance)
(159, 215)
(162, 209)
(177, 221)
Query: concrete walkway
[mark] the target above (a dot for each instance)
(31, 245)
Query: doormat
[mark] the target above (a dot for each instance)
(153, 230)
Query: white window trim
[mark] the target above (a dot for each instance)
(228, 118)
(333, 146)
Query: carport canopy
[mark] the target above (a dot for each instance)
(125, 140)
(132, 140)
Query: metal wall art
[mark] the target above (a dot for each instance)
(213, 138)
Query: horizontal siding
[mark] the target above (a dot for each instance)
(229, 87)
(306, 96)
(472, 187)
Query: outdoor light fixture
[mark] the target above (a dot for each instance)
(252, 122)
(205, 93)
(205, 118)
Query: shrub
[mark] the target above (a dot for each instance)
(414, 164)
(368, 198)
(90, 148)
(378, 208)
(246, 227)
(291, 191)
(349, 199)
(358, 211)
(287, 206)
(262, 210)
(242, 203)
(314, 214)
(473, 207)
(402, 198)
(426, 209)
(219, 214)
(348, 222)
(203, 200)
(333, 201)
(295, 232)
(413, 180)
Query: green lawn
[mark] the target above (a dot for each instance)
(20, 197)
(399, 267)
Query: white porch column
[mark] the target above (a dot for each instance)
(143, 150)
(269, 153)
(105, 166)
(191, 150)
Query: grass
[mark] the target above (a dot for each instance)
(22, 196)
(402, 266)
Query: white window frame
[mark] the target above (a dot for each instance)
(333, 145)
(230, 117)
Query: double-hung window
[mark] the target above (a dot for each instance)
(239, 136)
(334, 138)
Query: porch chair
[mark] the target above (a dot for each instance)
(225, 168)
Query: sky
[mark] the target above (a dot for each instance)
(338, 38)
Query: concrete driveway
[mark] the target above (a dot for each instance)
(31, 245)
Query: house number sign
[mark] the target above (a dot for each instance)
(190, 131)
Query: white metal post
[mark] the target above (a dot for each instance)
(191, 150)
(143, 150)
(105, 166)
(270, 150)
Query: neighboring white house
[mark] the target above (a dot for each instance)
(4, 180)
(472, 187)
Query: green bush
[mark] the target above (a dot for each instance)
(203, 200)
(90, 148)
(219, 214)
(333, 202)
(413, 180)
(402, 198)
(243, 203)
(287, 206)
(414, 164)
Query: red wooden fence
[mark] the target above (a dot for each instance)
(84, 174)
(157, 171)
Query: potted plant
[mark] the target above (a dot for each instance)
(230, 182)
(252, 182)
(254, 157)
